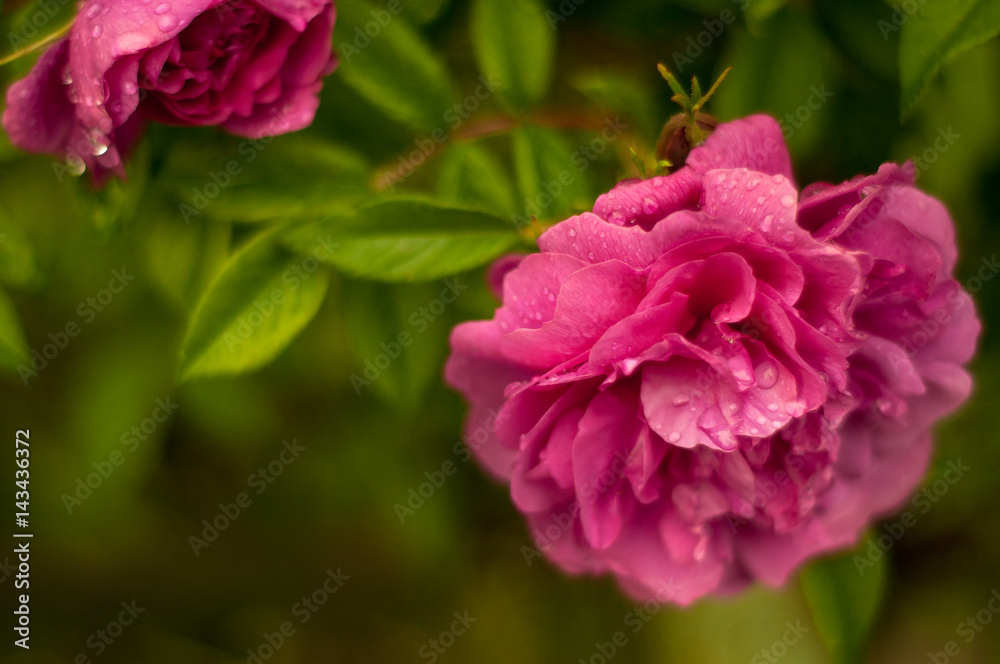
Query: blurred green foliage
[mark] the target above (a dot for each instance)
(419, 169)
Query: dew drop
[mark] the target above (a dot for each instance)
(681, 399)
(773, 407)
(591, 255)
(617, 216)
(761, 419)
(765, 225)
(93, 10)
(788, 200)
(161, 9)
(753, 182)
(75, 164)
(674, 437)
(648, 205)
(760, 200)
(167, 23)
(795, 408)
(777, 179)
(67, 75)
(96, 31)
(572, 232)
(776, 424)
(754, 431)
(766, 374)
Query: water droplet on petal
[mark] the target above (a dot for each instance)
(788, 200)
(649, 205)
(96, 31)
(674, 437)
(773, 407)
(161, 9)
(766, 374)
(777, 179)
(75, 164)
(67, 75)
(776, 424)
(681, 399)
(617, 216)
(795, 408)
(93, 10)
(753, 182)
(167, 23)
(765, 225)
(760, 200)
(572, 232)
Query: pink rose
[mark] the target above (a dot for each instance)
(254, 67)
(705, 381)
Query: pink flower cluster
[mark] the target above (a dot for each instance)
(254, 67)
(711, 378)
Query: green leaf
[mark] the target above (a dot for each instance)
(182, 258)
(388, 63)
(408, 239)
(13, 346)
(623, 92)
(937, 33)
(843, 596)
(471, 175)
(260, 301)
(384, 324)
(37, 25)
(550, 177)
(268, 179)
(514, 43)
(425, 11)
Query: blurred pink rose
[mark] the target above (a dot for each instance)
(254, 67)
(705, 381)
